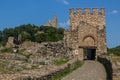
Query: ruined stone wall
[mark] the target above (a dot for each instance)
(112, 65)
(44, 73)
(67, 38)
(46, 51)
(52, 23)
(10, 42)
(115, 61)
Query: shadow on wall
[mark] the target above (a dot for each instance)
(108, 66)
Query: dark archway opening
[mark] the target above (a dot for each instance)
(89, 54)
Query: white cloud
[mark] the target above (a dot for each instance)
(64, 2)
(114, 12)
(64, 24)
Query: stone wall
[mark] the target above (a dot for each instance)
(87, 30)
(112, 65)
(46, 51)
(34, 60)
(10, 42)
(116, 67)
(95, 18)
(105, 60)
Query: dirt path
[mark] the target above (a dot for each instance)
(91, 70)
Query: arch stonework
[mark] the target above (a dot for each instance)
(90, 36)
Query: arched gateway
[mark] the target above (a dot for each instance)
(87, 33)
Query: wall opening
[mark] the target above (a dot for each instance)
(89, 54)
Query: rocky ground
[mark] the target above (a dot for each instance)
(28, 73)
(36, 73)
(32, 58)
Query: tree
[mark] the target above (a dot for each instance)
(30, 32)
(40, 37)
(115, 51)
(25, 36)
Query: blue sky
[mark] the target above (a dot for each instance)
(17, 12)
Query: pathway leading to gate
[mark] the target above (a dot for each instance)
(90, 70)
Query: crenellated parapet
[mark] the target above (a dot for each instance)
(92, 11)
(94, 16)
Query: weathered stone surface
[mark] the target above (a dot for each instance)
(10, 42)
(32, 60)
(115, 61)
(53, 23)
(46, 51)
(87, 30)
(118, 63)
(36, 74)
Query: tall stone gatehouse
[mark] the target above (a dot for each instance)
(87, 33)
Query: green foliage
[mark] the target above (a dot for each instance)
(26, 54)
(40, 37)
(114, 51)
(25, 36)
(66, 71)
(77, 65)
(21, 51)
(61, 61)
(32, 33)
(6, 68)
(52, 34)
(6, 49)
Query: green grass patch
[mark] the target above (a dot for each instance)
(67, 71)
(5, 68)
(6, 49)
(26, 54)
(61, 61)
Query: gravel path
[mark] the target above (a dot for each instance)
(91, 70)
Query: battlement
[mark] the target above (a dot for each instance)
(94, 11)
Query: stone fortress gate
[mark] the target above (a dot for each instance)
(87, 33)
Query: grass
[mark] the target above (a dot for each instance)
(61, 61)
(4, 68)
(6, 49)
(7, 67)
(26, 54)
(66, 71)
(115, 58)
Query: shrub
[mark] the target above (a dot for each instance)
(61, 61)
(6, 49)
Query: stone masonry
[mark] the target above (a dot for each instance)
(87, 30)
(10, 42)
(52, 23)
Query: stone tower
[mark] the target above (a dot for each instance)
(52, 23)
(87, 32)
